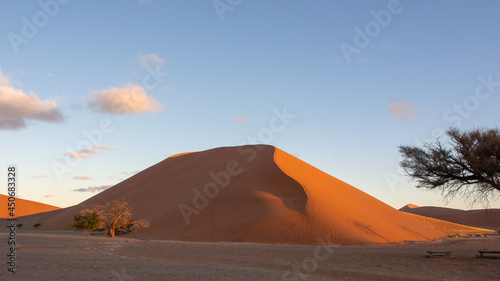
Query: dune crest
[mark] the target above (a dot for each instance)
(411, 206)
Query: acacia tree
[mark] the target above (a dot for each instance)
(116, 217)
(467, 164)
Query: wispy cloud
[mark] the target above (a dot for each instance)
(130, 173)
(82, 178)
(240, 120)
(49, 195)
(92, 188)
(17, 108)
(4, 80)
(40, 176)
(150, 60)
(402, 110)
(75, 155)
(103, 147)
(86, 152)
(130, 99)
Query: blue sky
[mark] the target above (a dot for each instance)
(93, 91)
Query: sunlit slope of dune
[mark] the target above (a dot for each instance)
(347, 210)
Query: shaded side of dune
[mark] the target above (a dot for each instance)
(223, 194)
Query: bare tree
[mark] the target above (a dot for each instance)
(467, 164)
(116, 217)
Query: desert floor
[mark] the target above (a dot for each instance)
(68, 255)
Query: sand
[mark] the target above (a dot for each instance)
(348, 211)
(254, 213)
(483, 218)
(24, 207)
(254, 193)
(66, 255)
(449, 227)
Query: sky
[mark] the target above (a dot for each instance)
(91, 92)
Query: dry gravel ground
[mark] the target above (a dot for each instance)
(67, 255)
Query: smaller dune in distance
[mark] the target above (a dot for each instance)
(482, 218)
(24, 207)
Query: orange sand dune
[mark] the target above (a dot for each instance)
(23, 207)
(349, 212)
(251, 193)
(485, 218)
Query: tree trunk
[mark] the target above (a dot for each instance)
(112, 230)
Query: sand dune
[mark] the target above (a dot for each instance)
(253, 194)
(24, 207)
(485, 218)
(450, 227)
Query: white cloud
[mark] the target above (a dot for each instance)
(148, 60)
(402, 110)
(84, 178)
(40, 176)
(16, 107)
(131, 99)
(93, 188)
(240, 120)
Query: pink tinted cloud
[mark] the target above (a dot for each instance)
(402, 110)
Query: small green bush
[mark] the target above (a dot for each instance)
(87, 222)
